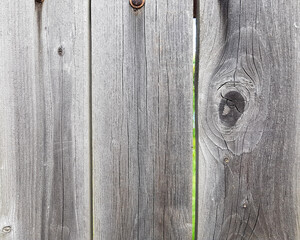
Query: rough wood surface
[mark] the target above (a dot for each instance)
(249, 128)
(142, 120)
(44, 120)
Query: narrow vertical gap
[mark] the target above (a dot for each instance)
(194, 135)
(91, 120)
(196, 86)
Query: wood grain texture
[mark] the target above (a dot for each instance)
(142, 120)
(248, 119)
(44, 130)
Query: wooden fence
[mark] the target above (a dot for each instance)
(96, 120)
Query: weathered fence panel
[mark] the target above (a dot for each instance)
(142, 120)
(248, 123)
(44, 115)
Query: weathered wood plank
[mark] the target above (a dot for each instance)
(44, 130)
(142, 120)
(249, 65)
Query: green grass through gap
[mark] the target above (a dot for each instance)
(194, 154)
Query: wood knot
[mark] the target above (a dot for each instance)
(6, 229)
(231, 108)
(236, 94)
(61, 51)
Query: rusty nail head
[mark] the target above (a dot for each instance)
(6, 229)
(137, 3)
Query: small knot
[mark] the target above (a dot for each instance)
(6, 229)
(61, 51)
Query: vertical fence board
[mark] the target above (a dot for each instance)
(16, 65)
(44, 130)
(142, 120)
(248, 119)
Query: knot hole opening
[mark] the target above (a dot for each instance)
(231, 107)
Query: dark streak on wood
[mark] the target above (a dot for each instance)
(39, 17)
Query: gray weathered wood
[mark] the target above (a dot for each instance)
(249, 129)
(142, 120)
(44, 120)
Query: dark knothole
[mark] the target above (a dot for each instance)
(231, 108)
